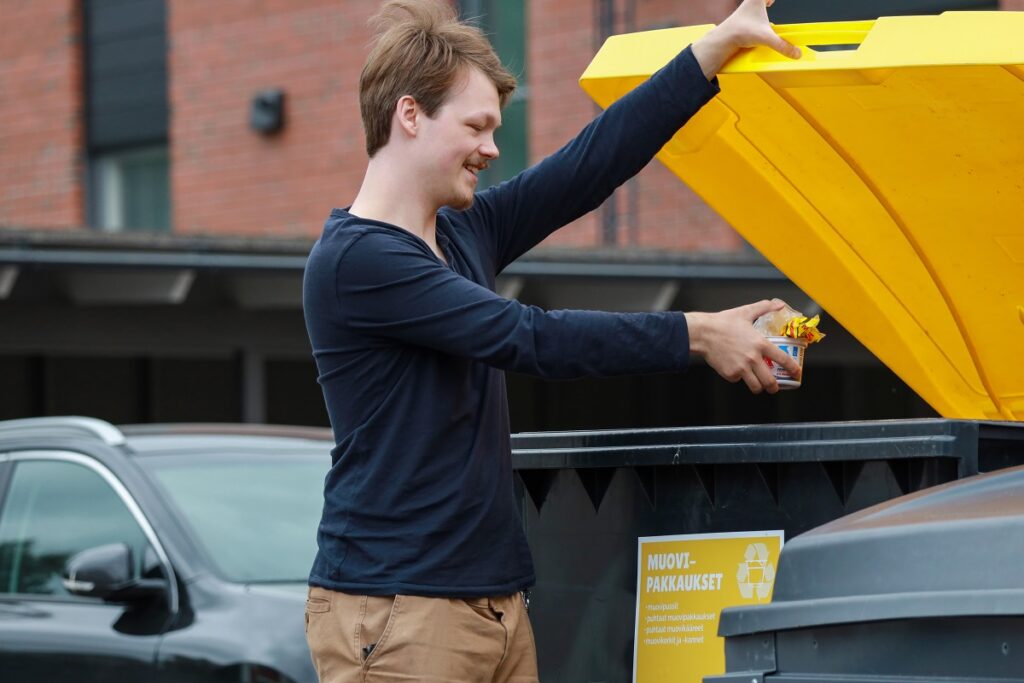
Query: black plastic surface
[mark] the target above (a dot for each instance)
(588, 496)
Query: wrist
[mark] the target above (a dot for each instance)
(713, 50)
(696, 329)
(725, 34)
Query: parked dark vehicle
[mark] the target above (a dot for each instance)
(156, 553)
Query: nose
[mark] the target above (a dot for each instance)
(489, 149)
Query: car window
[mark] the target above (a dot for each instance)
(54, 509)
(254, 514)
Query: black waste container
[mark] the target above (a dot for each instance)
(928, 587)
(587, 497)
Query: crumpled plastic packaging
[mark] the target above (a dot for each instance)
(789, 322)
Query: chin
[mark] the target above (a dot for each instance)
(460, 202)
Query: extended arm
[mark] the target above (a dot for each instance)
(392, 292)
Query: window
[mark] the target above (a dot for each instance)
(253, 513)
(125, 54)
(132, 189)
(53, 510)
(504, 22)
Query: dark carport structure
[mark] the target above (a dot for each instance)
(134, 327)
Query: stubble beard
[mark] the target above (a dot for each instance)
(460, 200)
(462, 203)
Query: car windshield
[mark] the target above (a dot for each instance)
(255, 515)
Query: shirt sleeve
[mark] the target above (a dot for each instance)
(514, 216)
(388, 290)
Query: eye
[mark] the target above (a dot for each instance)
(476, 126)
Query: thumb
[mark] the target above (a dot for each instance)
(783, 46)
(756, 310)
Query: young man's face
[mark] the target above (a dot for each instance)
(459, 141)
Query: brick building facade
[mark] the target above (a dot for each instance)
(226, 179)
(40, 116)
(152, 239)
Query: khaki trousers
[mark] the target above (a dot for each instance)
(360, 638)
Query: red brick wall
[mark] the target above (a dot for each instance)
(40, 114)
(560, 42)
(1015, 5)
(667, 213)
(225, 177)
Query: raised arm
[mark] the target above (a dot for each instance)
(611, 149)
(622, 140)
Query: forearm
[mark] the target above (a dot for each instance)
(389, 290)
(571, 344)
(624, 139)
(609, 151)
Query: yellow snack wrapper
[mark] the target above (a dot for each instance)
(789, 323)
(802, 327)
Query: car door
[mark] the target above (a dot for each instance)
(53, 505)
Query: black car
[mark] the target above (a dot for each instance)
(156, 553)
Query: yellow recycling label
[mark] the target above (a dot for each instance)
(683, 583)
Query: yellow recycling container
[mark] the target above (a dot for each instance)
(886, 179)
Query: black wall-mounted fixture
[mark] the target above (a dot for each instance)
(266, 115)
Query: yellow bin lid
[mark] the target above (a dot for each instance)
(887, 181)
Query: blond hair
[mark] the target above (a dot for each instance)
(420, 49)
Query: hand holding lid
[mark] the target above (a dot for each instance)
(747, 26)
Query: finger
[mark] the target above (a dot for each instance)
(756, 310)
(765, 377)
(751, 381)
(779, 356)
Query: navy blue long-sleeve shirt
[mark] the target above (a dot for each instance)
(411, 353)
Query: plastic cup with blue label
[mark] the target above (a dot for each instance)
(791, 331)
(794, 348)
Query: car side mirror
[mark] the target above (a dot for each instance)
(106, 572)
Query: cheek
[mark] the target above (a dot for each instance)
(449, 146)
(456, 156)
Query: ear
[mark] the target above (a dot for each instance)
(407, 115)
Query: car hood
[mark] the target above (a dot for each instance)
(291, 590)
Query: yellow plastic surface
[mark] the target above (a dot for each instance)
(886, 181)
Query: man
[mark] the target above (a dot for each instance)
(422, 556)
